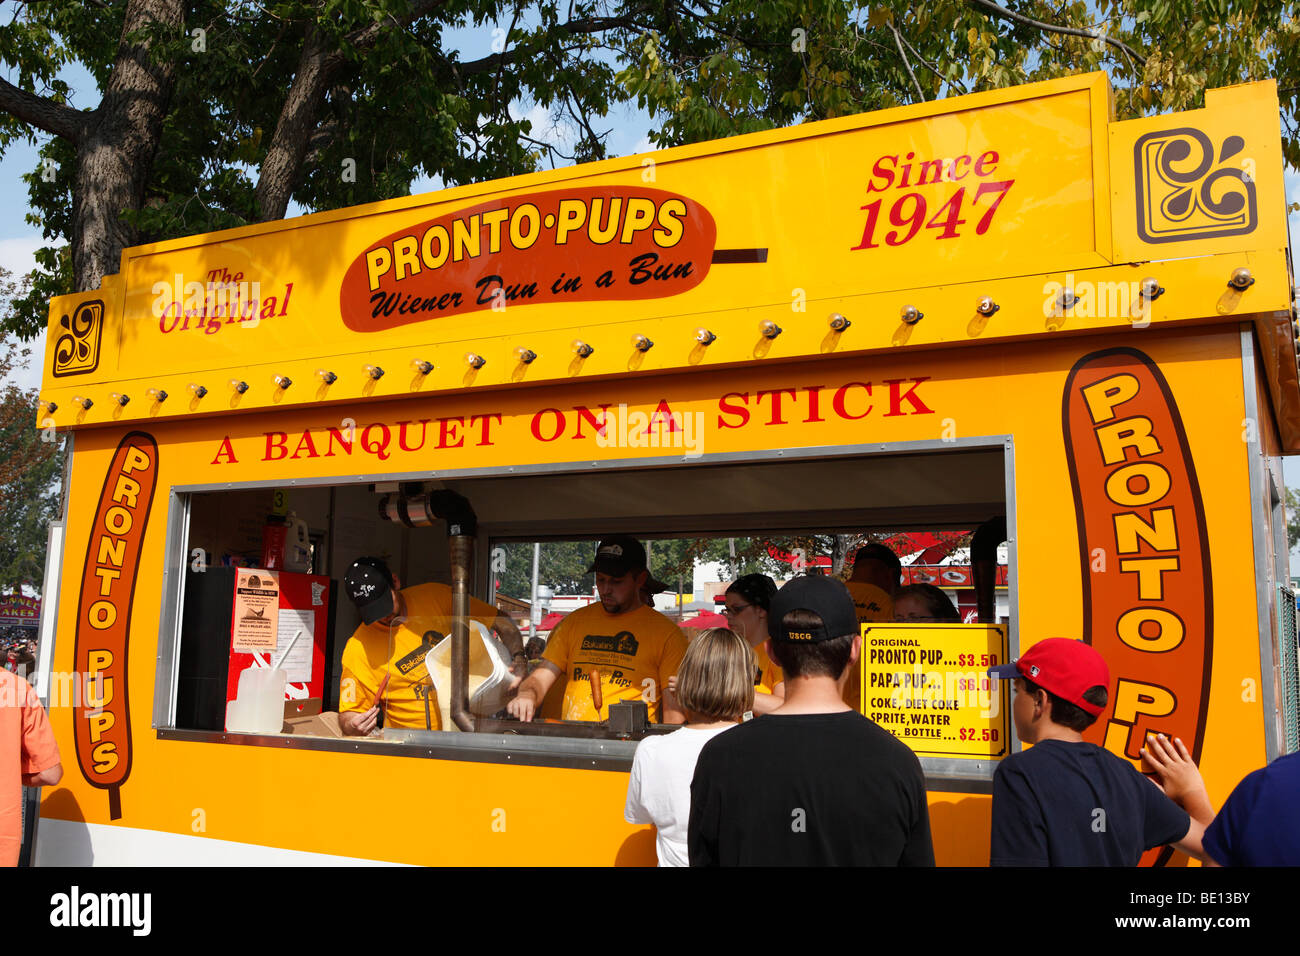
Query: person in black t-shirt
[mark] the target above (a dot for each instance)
(1065, 802)
(813, 782)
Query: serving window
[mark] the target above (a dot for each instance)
(766, 511)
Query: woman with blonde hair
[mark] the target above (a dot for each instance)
(715, 689)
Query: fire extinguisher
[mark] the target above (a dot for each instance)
(274, 535)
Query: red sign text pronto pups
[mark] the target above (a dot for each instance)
(571, 245)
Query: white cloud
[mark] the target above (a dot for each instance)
(643, 145)
(544, 126)
(426, 184)
(17, 255)
(30, 377)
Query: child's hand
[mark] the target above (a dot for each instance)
(1176, 772)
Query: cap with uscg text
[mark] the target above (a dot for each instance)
(1063, 667)
(618, 555)
(369, 584)
(826, 597)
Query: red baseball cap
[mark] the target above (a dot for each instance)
(1062, 667)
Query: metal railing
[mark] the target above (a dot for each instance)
(1289, 661)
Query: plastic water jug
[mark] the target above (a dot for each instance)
(258, 707)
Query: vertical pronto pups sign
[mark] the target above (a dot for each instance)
(1147, 595)
(101, 716)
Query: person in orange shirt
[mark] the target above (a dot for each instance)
(876, 576)
(383, 661)
(616, 649)
(877, 571)
(28, 757)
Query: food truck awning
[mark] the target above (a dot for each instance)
(708, 619)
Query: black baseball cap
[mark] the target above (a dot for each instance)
(826, 597)
(369, 584)
(618, 556)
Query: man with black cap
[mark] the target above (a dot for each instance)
(615, 649)
(652, 586)
(383, 662)
(813, 783)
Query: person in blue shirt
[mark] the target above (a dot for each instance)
(1066, 802)
(1259, 825)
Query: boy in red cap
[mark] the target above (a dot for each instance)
(1065, 802)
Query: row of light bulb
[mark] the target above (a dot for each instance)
(1149, 289)
(642, 343)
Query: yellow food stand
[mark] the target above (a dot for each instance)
(1003, 305)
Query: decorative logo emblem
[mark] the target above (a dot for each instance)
(1184, 192)
(77, 349)
(624, 642)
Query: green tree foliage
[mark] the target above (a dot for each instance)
(337, 102)
(30, 467)
(751, 64)
(563, 564)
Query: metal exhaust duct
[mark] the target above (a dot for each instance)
(421, 511)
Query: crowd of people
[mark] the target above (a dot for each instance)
(773, 763)
(18, 656)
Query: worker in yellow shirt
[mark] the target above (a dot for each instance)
(553, 706)
(877, 573)
(613, 650)
(383, 661)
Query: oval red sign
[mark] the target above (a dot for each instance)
(571, 245)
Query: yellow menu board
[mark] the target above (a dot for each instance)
(928, 685)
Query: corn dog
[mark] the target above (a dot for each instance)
(597, 697)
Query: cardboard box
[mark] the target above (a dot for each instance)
(304, 717)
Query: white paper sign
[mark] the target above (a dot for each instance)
(297, 665)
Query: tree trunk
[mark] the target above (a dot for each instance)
(318, 64)
(841, 544)
(115, 155)
(298, 117)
